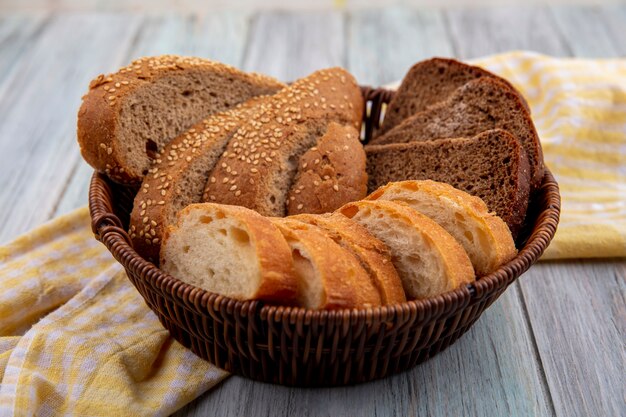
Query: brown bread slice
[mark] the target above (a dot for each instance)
(491, 165)
(371, 252)
(484, 236)
(478, 106)
(231, 251)
(428, 260)
(128, 116)
(261, 160)
(178, 175)
(326, 282)
(330, 174)
(429, 82)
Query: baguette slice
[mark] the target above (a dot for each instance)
(478, 106)
(428, 260)
(178, 176)
(484, 236)
(430, 82)
(127, 117)
(371, 252)
(231, 251)
(492, 166)
(261, 161)
(330, 174)
(330, 277)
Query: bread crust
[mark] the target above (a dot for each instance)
(494, 228)
(457, 264)
(346, 284)
(373, 254)
(277, 282)
(264, 152)
(330, 174)
(97, 126)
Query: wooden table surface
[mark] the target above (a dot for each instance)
(553, 344)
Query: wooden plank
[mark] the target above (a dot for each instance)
(485, 31)
(38, 105)
(578, 314)
(585, 31)
(290, 45)
(17, 32)
(220, 36)
(614, 18)
(385, 43)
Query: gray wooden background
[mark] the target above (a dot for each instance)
(553, 344)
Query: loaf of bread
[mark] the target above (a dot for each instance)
(371, 252)
(492, 166)
(330, 174)
(484, 236)
(479, 105)
(128, 116)
(428, 259)
(231, 251)
(178, 175)
(261, 160)
(429, 82)
(326, 282)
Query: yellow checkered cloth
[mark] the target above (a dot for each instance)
(76, 338)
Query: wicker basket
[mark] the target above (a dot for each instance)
(295, 346)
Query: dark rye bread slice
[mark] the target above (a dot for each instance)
(492, 165)
(127, 117)
(478, 106)
(178, 175)
(261, 160)
(429, 82)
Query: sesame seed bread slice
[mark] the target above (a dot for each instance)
(231, 251)
(326, 282)
(330, 174)
(491, 165)
(128, 116)
(178, 175)
(479, 105)
(484, 236)
(428, 259)
(429, 82)
(262, 158)
(371, 252)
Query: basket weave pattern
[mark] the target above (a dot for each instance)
(295, 346)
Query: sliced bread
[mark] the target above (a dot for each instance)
(430, 82)
(371, 252)
(491, 165)
(428, 259)
(128, 116)
(261, 160)
(326, 282)
(178, 175)
(484, 236)
(231, 251)
(479, 105)
(330, 174)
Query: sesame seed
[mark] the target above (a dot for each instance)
(111, 97)
(224, 180)
(292, 198)
(163, 192)
(317, 161)
(300, 206)
(233, 188)
(254, 170)
(316, 183)
(213, 180)
(142, 212)
(145, 220)
(160, 203)
(103, 146)
(238, 193)
(336, 187)
(212, 198)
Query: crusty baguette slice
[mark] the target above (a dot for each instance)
(428, 260)
(371, 252)
(231, 251)
(484, 236)
(127, 117)
(262, 157)
(178, 176)
(429, 82)
(478, 106)
(492, 166)
(330, 174)
(330, 277)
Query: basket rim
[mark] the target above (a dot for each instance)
(108, 229)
